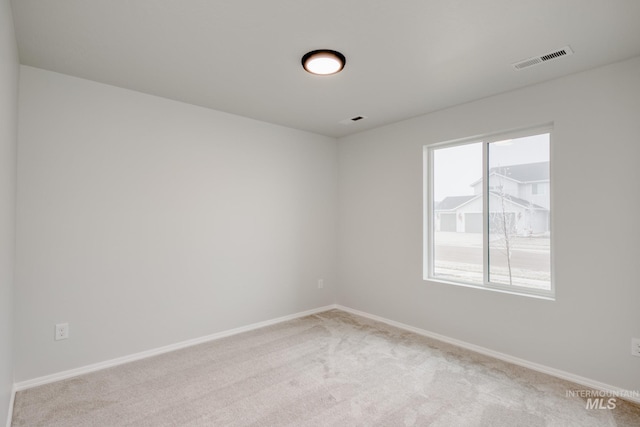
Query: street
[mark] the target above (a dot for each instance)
(458, 256)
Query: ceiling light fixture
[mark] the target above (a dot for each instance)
(323, 62)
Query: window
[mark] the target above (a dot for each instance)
(488, 212)
(539, 188)
(535, 189)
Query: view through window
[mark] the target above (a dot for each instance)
(489, 213)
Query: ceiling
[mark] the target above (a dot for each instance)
(404, 57)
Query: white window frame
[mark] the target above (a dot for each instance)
(429, 223)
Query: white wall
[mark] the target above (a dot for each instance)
(8, 140)
(587, 331)
(145, 222)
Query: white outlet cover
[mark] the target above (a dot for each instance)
(635, 346)
(62, 331)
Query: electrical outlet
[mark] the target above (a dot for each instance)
(62, 331)
(635, 346)
(320, 283)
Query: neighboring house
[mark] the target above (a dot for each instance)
(518, 193)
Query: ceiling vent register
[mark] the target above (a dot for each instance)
(353, 120)
(530, 62)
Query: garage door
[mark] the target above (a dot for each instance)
(448, 222)
(473, 223)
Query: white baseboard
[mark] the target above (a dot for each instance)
(614, 391)
(12, 400)
(22, 385)
(628, 395)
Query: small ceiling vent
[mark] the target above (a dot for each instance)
(353, 120)
(530, 62)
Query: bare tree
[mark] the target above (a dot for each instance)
(504, 222)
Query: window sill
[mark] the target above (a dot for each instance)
(545, 295)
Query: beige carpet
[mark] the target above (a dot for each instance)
(333, 369)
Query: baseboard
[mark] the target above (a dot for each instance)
(628, 395)
(596, 385)
(12, 400)
(22, 385)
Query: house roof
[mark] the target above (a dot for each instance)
(528, 172)
(519, 201)
(452, 202)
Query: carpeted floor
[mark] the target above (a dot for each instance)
(332, 369)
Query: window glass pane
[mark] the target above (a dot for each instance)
(457, 213)
(519, 212)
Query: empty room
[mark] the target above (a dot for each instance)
(319, 213)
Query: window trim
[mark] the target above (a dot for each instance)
(428, 217)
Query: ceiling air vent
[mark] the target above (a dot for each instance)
(530, 62)
(352, 120)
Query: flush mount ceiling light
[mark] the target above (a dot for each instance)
(323, 62)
